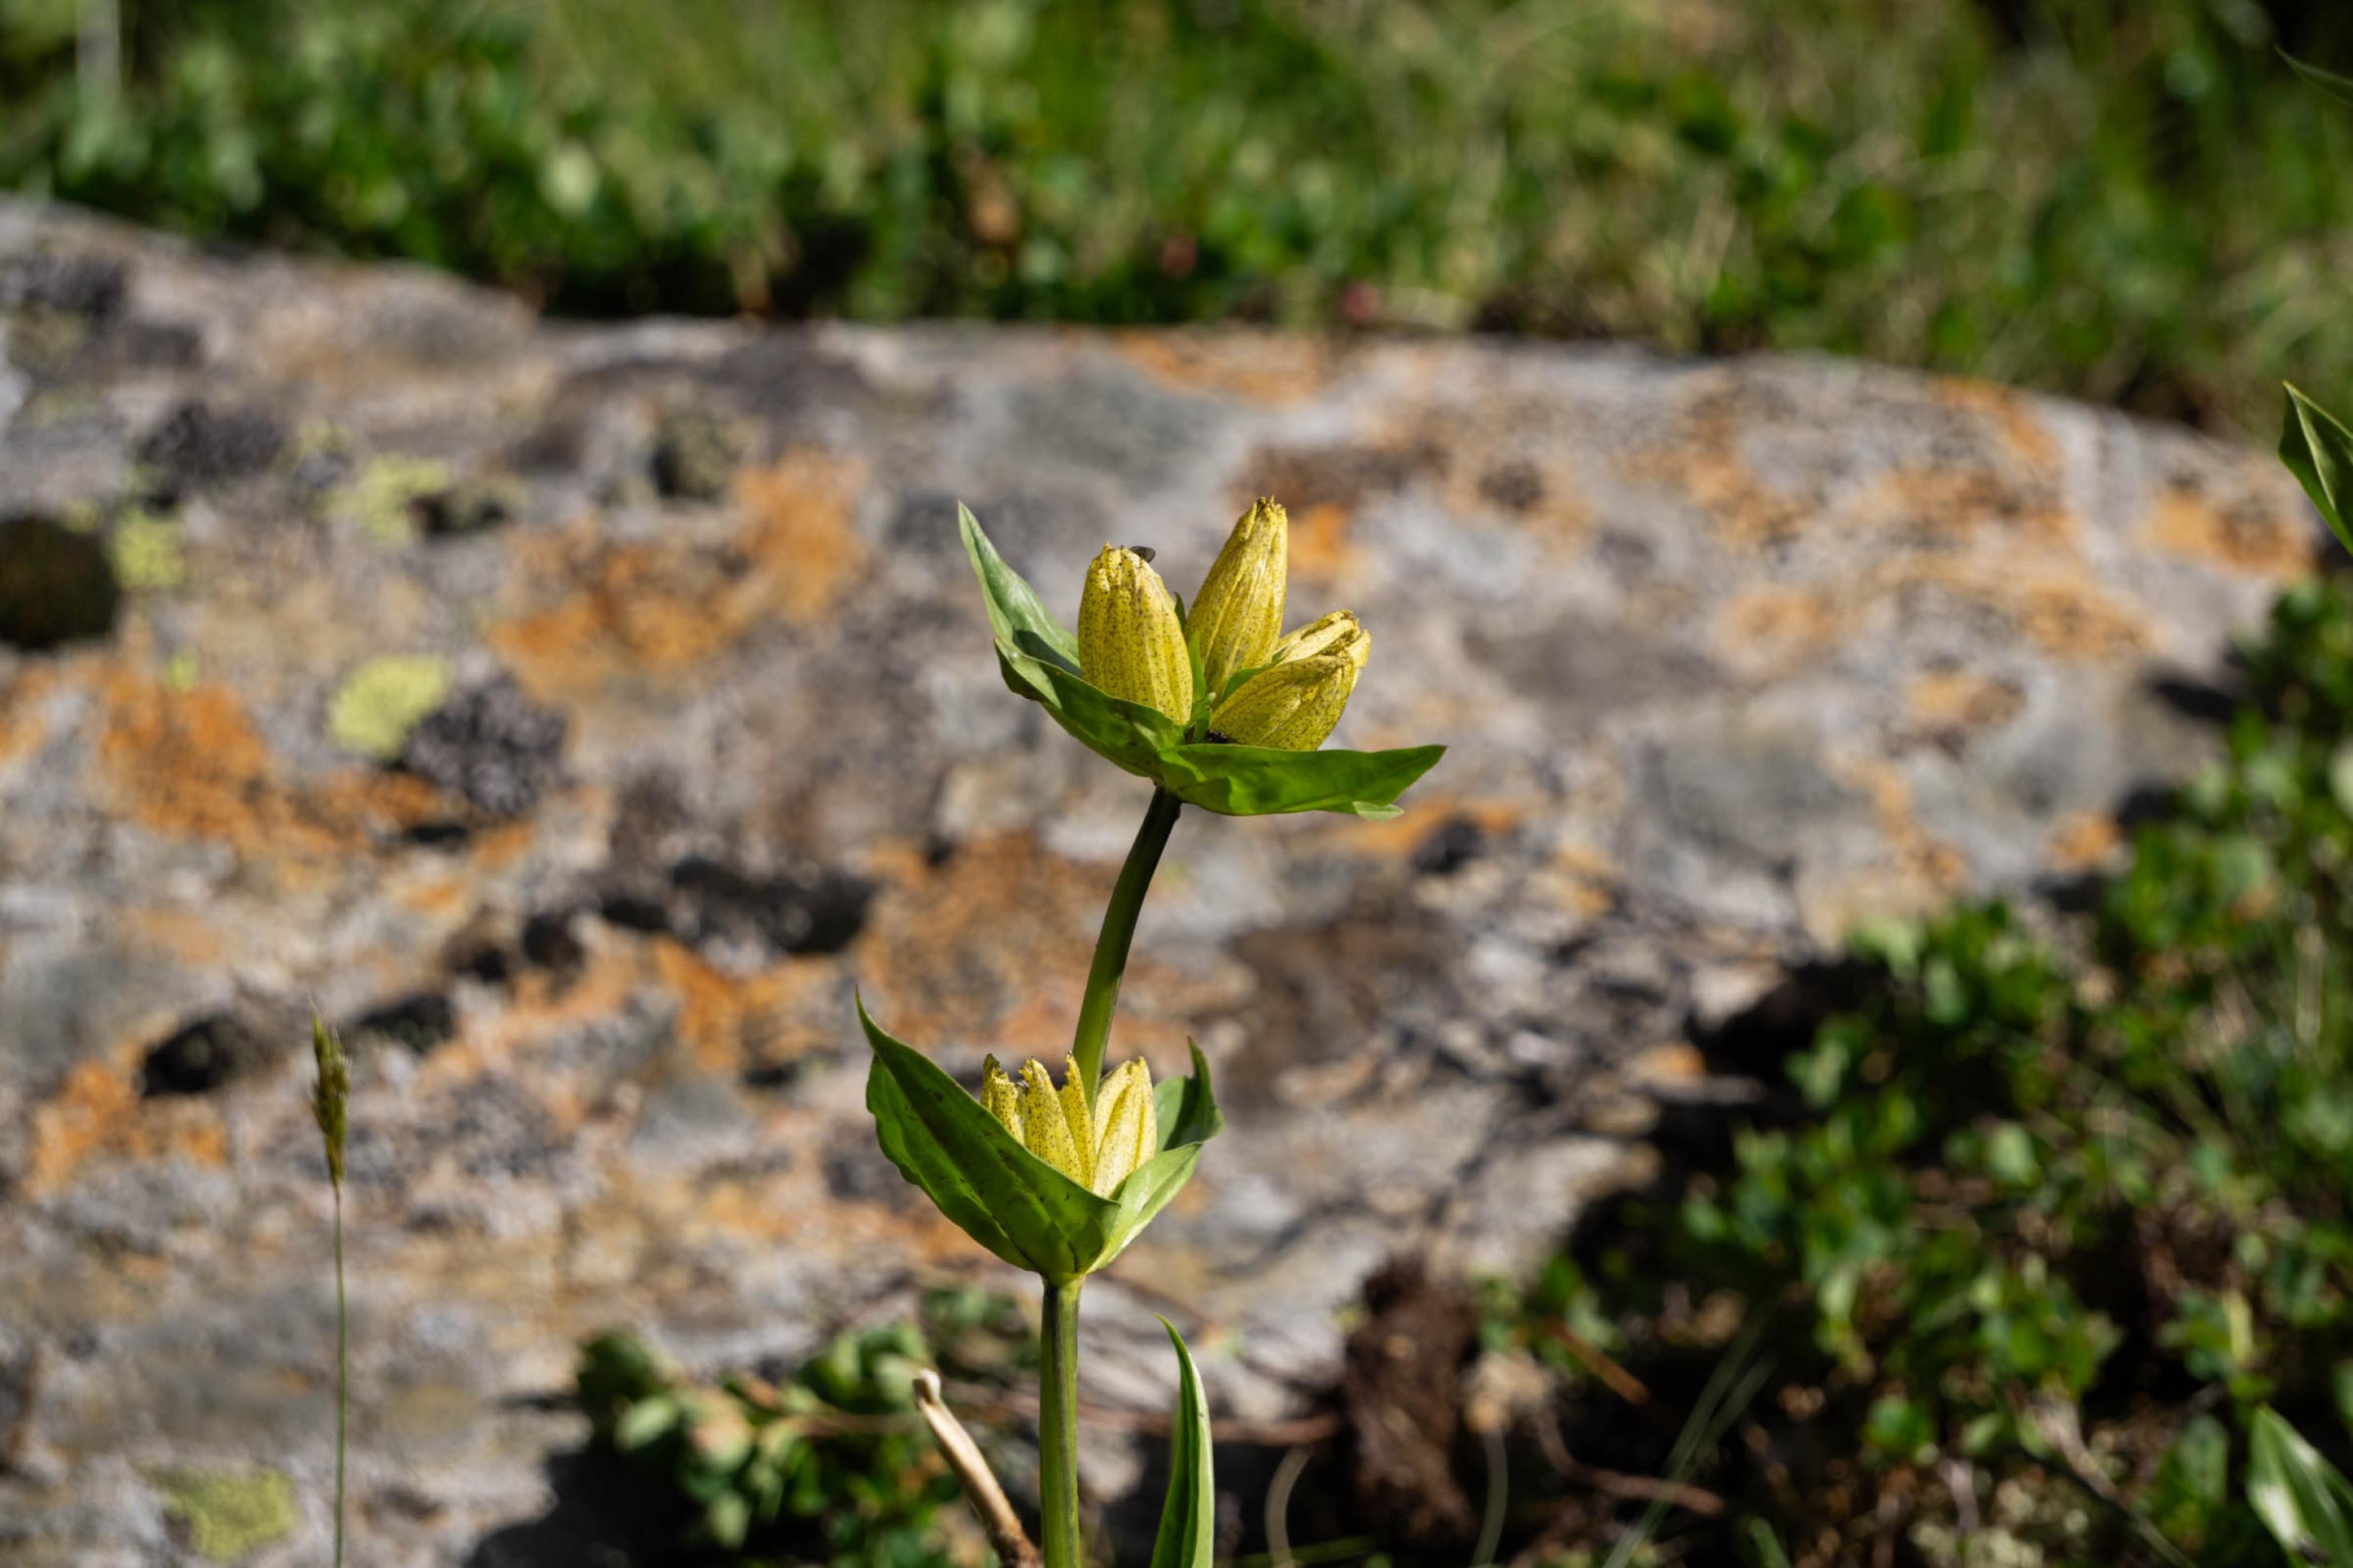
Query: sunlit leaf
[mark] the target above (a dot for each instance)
(1188, 1520)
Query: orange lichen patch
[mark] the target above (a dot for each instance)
(2242, 535)
(2011, 413)
(993, 942)
(22, 726)
(636, 608)
(1704, 462)
(97, 1111)
(1319, 543)
(1951, 705)
(189, 763)
(1958, 502)
(726, 1022)
(2051, 600)
(2084, 841)
(800, 539)
(1673, 1063)
(1775, 629)
(1267, 368)
(1925, 870)
(192, 937)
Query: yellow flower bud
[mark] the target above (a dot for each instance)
(1237, 614)
(1131, 643)
(1337, 632)
(1130, 1127)
(1097, 1147)
(1292, 706)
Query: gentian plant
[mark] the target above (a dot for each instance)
(1219, 709)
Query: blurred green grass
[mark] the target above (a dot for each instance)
(2125, 200)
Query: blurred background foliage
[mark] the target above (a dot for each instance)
(2125, 200)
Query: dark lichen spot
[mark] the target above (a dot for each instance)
(197, 446)
(1450, 845)
(57, 586)
(1515, 487)
(200, 1056)
(804, 912)
(87, 286)
(418, 1022)
(490, 746)
(696, 454)
(473, 506)
(548, 944)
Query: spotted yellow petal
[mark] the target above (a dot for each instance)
(1237, 614)
(1131, 643)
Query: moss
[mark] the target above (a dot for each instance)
(146, 549)
(381, 701)
(230, 1513)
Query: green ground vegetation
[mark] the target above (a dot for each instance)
(2125, 200)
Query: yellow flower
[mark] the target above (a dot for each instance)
(1295, 703)
(1337, 632)
(1131, 643)
(1237, 614)
(1097, 1146)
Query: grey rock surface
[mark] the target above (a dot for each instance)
(577, 712)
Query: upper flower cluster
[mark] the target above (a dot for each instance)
(1264, 688)
(1218, 708)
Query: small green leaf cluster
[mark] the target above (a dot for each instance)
(831, 1465)
(1040, 659)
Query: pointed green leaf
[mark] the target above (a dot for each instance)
(1002, 1195)
(2318, 450)
(1186, 1108)
(1255, 781)
(1188, 1520)
(2336, 87)
(1015, 614)
(2301, 1497)
(1128, 733)
(1146, 1193)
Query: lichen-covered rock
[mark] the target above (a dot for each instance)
(1730, 655)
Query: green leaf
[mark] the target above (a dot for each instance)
(2318, 450)
(1146, 1193)
(2300, 1496)
(1002, 1195)
(2336, 87)
(1128, 733)
(1188, 1520)
(645, 1422)
(1186, 1108)
(1257, 781)
(1015, 614)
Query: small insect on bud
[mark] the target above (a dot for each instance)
(1239, 612)
(1131, 643)
(331, 1094)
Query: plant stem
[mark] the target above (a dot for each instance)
(1118, 933)
(1057, 1428)
(342, 1376)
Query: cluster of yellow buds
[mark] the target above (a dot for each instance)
(1097, 1146)
(1133, 643)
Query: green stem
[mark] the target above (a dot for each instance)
(342, 1376)
(1118, 933)
(1058, 1426)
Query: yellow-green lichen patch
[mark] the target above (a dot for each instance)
(146, 550)
(227, 1513)
(381, 701)
(382, 495)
